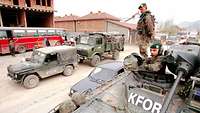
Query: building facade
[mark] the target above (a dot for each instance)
(67, 22)
(26, 13)
(95, 22)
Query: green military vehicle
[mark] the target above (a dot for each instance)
(94, 46)
(44, 62)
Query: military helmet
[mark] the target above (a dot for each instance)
(158, 46)
(142, 5)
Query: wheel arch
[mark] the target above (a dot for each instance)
(34, 73)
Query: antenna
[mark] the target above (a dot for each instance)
(132, 17)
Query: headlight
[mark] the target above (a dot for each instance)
(72, 92)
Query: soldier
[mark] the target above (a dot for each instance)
(134, 62)
(154, 63)
(145, 29)
(46, 42)
(12, 47)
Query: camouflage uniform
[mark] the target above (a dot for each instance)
(153, 64)
(145, 32)
(72, 104)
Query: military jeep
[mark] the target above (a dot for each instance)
(94, 46)
(43, 63)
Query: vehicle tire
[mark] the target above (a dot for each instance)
(68, 70)
(21, 49)
(31, 81)
(81, 61)
(58, 43)
(115, 55)
(95, 60)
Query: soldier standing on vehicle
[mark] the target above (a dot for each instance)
(12, 47)
(145, 29)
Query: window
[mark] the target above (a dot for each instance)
(42, 32)
(99, 40)
(51, 57)
(60, 32)
(19, 33)
(44, 2)
(49, 3)
(51, 32)
(3, 34)
(37, 2)
(31, 32)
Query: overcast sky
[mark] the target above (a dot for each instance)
(178, 10)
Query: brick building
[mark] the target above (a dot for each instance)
(26, 13)
(67, 22)
(95, 22)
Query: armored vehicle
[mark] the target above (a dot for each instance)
(43, 63)
(94, 46)
(148, 92)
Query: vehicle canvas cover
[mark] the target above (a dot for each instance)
(65, 52)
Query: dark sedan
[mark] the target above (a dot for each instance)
(98, 77)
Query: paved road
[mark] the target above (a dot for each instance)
(14, 98)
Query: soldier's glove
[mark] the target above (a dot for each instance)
(139, 58)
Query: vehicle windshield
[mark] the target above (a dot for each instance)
(37, 57)
(102, 74)
(89, 40)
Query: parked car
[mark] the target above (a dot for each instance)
(98, 77)
(44, 62)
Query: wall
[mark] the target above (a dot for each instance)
(117, 28)
(67, 25)
(91, 26)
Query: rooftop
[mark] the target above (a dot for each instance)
(99, 15)
(124, 24)
(71, 17)
(48, 50)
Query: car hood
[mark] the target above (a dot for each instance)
(83, 47)
(84, 85)
(23, 66)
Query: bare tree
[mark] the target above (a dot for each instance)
(169, 27)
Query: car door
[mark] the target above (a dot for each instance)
(99, 44)
(51, 66)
